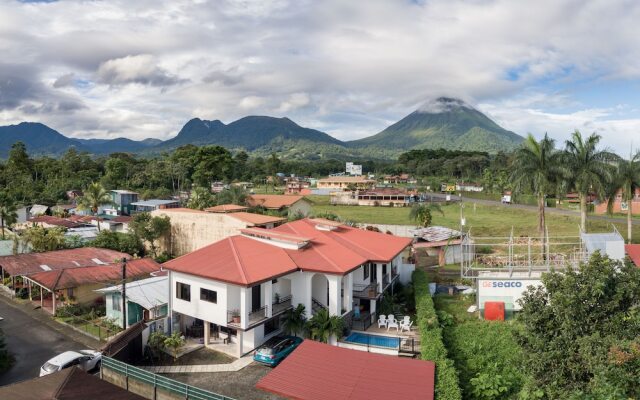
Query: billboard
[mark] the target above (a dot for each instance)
(353, 169)
(508, 291)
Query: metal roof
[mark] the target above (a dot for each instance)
(148, 293)
(435, 233)
(153, 202)
(610, 244)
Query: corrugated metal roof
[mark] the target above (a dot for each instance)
(633, 251)
(225, 208)
(273, 201)
(607, 243)
(149, 293)
(435, 233)
(255, 219)
(153, 202)
(27, 264)
(318, 371)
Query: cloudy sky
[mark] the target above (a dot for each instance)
(143, 68)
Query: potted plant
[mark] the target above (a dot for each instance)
(236, 318)
(277, 298)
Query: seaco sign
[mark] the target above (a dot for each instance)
(502, 284)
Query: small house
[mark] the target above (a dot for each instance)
(146, 300)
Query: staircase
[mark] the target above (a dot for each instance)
(317, 306)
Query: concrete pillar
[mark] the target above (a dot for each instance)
(29, 286)
(41, 299)
(372, 310)
(379, 276)
(240, 340)
(335, 306)
(268, 297)
(207, 334)
(53, 301)
(244, 307)
(348, 291)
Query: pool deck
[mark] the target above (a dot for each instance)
(374, 330)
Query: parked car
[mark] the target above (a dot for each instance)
(276, 349)
(88, 360)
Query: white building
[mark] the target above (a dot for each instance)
(240, 286)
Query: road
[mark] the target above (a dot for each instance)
(31, 342)
(548, 210)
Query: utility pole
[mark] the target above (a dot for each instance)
(124, 293)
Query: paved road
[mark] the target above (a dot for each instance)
(31, 342)
(548, 210)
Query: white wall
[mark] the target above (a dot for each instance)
(216, 313)
(505, 290)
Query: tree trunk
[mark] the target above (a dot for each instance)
(629, 222)
(2, 225)
(583, 212)
(541, 217)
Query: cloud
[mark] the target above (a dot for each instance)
(64, 80)
(141, 69)
(295, 101)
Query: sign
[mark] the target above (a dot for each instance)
(507, 290)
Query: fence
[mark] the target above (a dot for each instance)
(150, 385)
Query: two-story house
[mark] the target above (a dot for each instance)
(240, 286)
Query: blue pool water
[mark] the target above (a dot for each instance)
(373, 340)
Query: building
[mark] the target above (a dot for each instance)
(68, 384)
(241, 285)
(152, 205)
(226, 208)
(217, 187)
(78, 285)
(318, 371)
(469, 187)
(633, 253)
(147, 299)
(396, 179)
(289, 204)
(346, 182)
(376, 197)
(620, 206)
(353, 169)
(38, 210)
(122, 200)
(194, 229)
(444, 244)
(297, 186)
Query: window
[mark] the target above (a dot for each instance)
(384, 269)
(208, 295)
(272, 325)
(366, 272)
(116, 299)
(183, 291)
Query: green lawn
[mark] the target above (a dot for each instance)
(482, 220)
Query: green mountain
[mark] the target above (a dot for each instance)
(443, 123)
(38, 138)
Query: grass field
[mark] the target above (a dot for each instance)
(483, 220)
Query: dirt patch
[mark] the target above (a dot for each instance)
(201, 356)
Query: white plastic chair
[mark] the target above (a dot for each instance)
(406, 325)
(391, 317)
(406, 319)
(382, 321)
(392, 324)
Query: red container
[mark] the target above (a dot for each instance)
(494, 310)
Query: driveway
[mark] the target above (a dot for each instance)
(31, 342)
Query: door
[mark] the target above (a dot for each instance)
(255, 297)
(374, 273)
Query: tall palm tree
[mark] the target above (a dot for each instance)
(294, 320)
(537, 167)
(625, 182)
(8, 212)
(590, 169)
(95, 195)
(422, 213)
(322, 326)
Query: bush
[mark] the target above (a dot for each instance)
(432, 347)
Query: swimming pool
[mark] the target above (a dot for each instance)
(373, 340)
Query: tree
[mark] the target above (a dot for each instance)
(294, 320)
(118, 241)
(5, 357)
(579, 329)
(537, 167)
(421, 213)
(626, 181)
(149, 229)
(95, 195)
(200, 198)
(589, 169)
(322, 326)
(41, 239)
(233, 195)
(8, 212)
(174, 343)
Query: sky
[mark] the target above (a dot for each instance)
(139, 69)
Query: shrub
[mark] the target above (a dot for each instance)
(432, 347)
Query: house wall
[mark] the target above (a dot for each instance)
(191, 231)
(216, 313)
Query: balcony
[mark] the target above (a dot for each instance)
(281, 306)
(369, 291)
(259, 315)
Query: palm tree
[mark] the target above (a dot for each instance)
(95, 195)
(294, 320)
(322, 326)
(625, 182)
(589, 169)
(537, 167)
(8, 212)
(421, 213)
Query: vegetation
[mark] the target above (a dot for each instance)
(174, 343)
(626, 180)
(6, 359)
(322, 326)
(580, 332)
(294, 320)
(94, 197)
(40, 239)
(432, 346)
(8, 212)
(149, 229)
(118, 241)
(421, 213)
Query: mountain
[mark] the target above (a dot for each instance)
(443, 123)
(39, 139)
(118, 145)
(249, 133)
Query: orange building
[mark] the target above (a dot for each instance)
(620, 206)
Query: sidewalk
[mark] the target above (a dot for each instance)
(237, 365)
(41, 316)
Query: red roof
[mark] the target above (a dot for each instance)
(237, 260)
(256, 219)
(31, 263)
(273, 201)
(47, 219)
(633, 251)
(318, 371)
(226, 208)
(108, 274)
(246, 261)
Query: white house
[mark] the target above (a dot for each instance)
(241, 285)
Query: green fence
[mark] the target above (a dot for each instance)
(172, 386)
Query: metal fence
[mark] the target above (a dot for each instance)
(171, 386)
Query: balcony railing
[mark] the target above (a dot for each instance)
(369, 291)
(258, 315)
(281, 305)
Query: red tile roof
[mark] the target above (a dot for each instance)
(273, 201)
(256, 219)
(226, 208)
(633, 251)
(247, 261)
(237, 260)
(47, 219)
(107, 274)
(318, 371)
(31, 263)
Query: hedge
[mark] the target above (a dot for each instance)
(432, 347)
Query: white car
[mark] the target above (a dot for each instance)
(85, 359)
